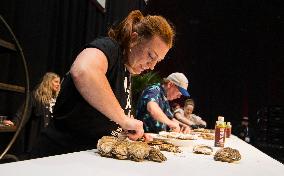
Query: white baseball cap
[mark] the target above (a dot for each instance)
(180, 81)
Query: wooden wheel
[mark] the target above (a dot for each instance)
(15, 47)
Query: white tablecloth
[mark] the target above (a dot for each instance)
(89, 163)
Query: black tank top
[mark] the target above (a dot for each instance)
(75, 117)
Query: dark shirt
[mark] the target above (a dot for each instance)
(77, 125)
(245, 133)
(37, 111)
(155, 93)
(38, 117)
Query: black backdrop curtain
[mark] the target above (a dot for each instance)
(52, 33)
(232, 51)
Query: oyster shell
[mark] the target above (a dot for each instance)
(198, 130)
(202, 149)
(169, 148)
(227, 154)
(156, 142)
(105, 145)
(156, 155)
(208, 136)
(137, 151)
(120, 150)
(208, 131)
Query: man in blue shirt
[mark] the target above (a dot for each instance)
(153, 105)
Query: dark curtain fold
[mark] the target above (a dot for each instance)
(118, 9)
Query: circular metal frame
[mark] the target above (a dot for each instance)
(27, 89)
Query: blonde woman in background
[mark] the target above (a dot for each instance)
(42, 100)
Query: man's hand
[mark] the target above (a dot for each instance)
(174, 126)
(185, 129)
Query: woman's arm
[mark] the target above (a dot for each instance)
(182, 119)
(89, 75)
(198, 120)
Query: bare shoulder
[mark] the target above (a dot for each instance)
(91, 58)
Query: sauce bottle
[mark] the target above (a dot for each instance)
(228, 129)
(220, 129)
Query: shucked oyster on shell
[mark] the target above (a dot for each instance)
(202, 149)
(164, 146)
(227, 154)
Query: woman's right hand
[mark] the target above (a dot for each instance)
(135, 128)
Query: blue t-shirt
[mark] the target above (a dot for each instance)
(155, 93)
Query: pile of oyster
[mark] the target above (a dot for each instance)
(202, 149)
(113, 147)
(227, 154)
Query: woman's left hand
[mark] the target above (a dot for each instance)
(147, 137)
(134, 128)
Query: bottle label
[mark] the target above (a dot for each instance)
(219, 137)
